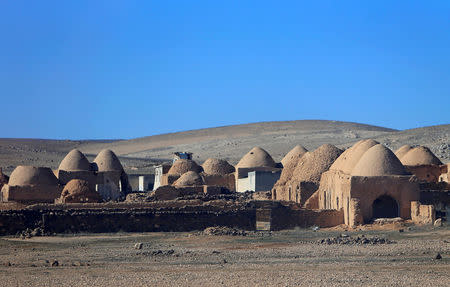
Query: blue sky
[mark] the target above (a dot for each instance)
(125, 69)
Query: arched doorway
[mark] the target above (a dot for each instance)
(384, 207)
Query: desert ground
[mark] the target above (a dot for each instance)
(229, 142)
(284, 258)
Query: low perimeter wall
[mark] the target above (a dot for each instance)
(96, 219)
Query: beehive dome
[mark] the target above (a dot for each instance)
(402, 151)
(294, 154)
(257, 157)
(78, 190)
(107, 160)
(30, 175)
(355, 154)
(74, 161)
(312, 164)
(378, 161)
(420, 156)
(189, 178)
(182, 166)
(217, 166)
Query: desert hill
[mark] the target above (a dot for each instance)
(228, 142)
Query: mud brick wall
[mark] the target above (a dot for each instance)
(285, 218)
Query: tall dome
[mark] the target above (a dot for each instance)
(257, 157)
(355, 154)
(311, 166)
(30, 175)
(379, 161)
(420, 155)
(107, 160)
(294, 154)
(402, 151)
(189, 178)
(217, 166)
(184, 165)
(74, 161)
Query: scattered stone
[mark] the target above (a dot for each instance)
(359, 240)
(382, 221)
(438, 256)
(55, 263)
(222, 230)
(438, 222)
(401, 230)
(138, 245)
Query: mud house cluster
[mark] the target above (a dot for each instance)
(105, 176)
(365, 181)
(326, 186)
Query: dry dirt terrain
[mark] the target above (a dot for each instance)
(287, 258)
(229, 142)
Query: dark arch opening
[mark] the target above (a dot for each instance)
(384, 207)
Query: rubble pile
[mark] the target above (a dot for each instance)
(345, 239)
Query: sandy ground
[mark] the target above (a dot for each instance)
(286, 258)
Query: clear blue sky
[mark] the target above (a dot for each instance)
(124, 69)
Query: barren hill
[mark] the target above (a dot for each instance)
(229, 142)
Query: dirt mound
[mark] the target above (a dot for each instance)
(78, 191)
(217, 166)
(420, 155)
(107, 160)
(293, 155)
(189, 178)
(182, 166)
(74, 160)
(402, 151)
(31, 175)
(223, 230)
(311, 166)
(256, 157)
(379, 161)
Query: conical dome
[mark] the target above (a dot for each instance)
(355, 154)
(189, 178)
(182, 166)
(74, 161)
(107, 160)
(339, 162)
(312, 164)
(30, 175)
(217, 166)
(257, 157)
(294, 154)
(402, 151)
(378, 161)
(420, 156)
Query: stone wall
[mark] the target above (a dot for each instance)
(73, 220)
